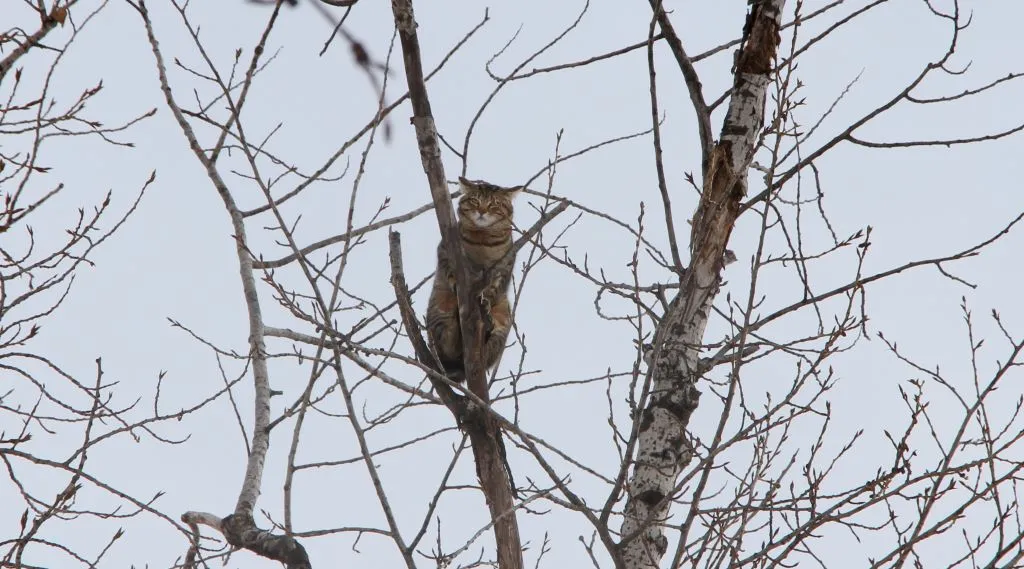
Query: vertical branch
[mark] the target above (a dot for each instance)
(453, 401)
(430, 155)
(693, 85)
(659, 164)
(663, 449)
(261, 381)
(239, 528)
(481, 427)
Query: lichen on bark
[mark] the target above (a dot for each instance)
(663, 448)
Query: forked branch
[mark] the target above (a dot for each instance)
(239, 528)
(480, 426)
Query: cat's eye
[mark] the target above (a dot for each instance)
(472, 202)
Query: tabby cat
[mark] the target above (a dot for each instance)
(485, 225)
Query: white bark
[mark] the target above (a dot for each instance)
(238, 528)
(662, 447)
(251, 482)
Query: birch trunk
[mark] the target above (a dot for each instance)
(663, 448)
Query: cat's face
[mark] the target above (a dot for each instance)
(485, 205)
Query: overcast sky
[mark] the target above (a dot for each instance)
(175, 259)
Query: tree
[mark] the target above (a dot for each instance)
(717, 375)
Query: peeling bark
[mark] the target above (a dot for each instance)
(663, 449)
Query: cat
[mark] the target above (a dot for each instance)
(485, 226)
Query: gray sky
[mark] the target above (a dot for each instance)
(175, 259)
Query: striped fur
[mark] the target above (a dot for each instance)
(485, 225)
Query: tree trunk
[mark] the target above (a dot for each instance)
(663, 449)
(476, 421)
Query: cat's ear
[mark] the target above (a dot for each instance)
(514, 191)
(468, 184)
